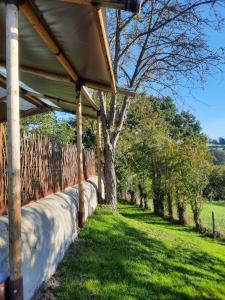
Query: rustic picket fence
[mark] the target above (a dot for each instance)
(46, 167)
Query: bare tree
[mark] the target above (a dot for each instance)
(155, 51)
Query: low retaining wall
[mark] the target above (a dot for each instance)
(48, 228)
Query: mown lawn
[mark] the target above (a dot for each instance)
(130, 254)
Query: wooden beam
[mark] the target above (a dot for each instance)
(25, 94)
(126, 92)
(44, 32)
(100, 22)
(99, 164)
(128, 5)
(97, 86)
(2, 99)
(14, 184)
(81, 212)
(34, 94)
(99, 3)
(46, 75)
(34, 111)
(88, 97)
(33, 100)
(42, 74)
(55, 77)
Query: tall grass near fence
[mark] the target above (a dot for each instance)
(46, 167)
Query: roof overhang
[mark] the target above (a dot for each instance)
(61, 43)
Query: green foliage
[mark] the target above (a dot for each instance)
(59, 127)
(130, 254)
(167, 152)
(215, 189)
(48, 124)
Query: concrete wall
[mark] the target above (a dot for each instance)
(48, 228)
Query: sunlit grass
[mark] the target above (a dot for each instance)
(130, 254)
(206, 215)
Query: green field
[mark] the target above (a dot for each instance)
(222, 147)
(130, 254)
(206, 215)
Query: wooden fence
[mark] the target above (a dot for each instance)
(46, 167)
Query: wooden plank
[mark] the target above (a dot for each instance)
(100, 22)
(23, 93)
(128, 5)
(55, 77)
(14, 184)
(81, 212)
(46, 35)
(99, 164)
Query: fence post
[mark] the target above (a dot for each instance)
(99, 158)
(81, 212)
(213, 224)
(13, 121)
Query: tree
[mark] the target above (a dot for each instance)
(132, 156)
(154, 50)
(221, 141)
(56, 127)
(60, 127)
(198, 167)
(215, 190)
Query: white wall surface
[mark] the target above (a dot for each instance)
(48, 228)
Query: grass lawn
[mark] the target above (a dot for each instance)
(130, 254)
(206, 215)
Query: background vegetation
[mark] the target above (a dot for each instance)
(163, 159)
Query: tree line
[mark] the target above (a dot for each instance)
(163, 152)
(161, 48)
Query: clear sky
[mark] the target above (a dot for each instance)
(208, 105)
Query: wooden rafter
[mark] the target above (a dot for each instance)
(56, 99)
(55, 77)
(25, 94)
(44, 32)
(106, 4)
(100, 22)
(2, 99)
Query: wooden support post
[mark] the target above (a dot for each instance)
(81, 212)
(13, 121)
(213, 224)
(99, 165)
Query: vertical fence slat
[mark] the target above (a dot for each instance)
(46, 167)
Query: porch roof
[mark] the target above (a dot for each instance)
(61, 43)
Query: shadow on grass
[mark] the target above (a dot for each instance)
(115, 260)
(148, 217)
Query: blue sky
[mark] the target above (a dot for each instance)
(208, 105)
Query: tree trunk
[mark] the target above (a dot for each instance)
(170, 206)
(110, 176)
(145, 202)
(132, 197)
(158, 202)
(181, 213)
(196, 219)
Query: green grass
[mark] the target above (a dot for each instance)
(130, 254)
(206, 215)
(216, 146)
